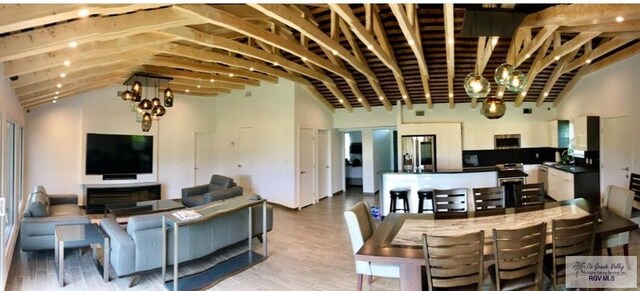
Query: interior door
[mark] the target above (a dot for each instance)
(306, 195)
(204, 157)
(615, 155)
(324, 169)
(246, 151)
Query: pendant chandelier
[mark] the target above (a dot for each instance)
(478, 87)
(147, 110)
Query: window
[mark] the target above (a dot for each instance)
(10, 177)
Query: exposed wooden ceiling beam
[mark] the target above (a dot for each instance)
(195, 89)
(569, 87)
(72, 92)
(365, 36)
(595, 53)
(204, 83)
(353, 86)
(209, 68)
(232, 22)
(204, 39)
(574, 44)
(581, 14)
(534, 70)
(449, 45)
(555, 75)
(172, 72)
(485, 49)
(88, 51)
(626, 26)
(14, 17)
(306, 27)
(612, 59)
(535, 43)
(50, 92)
(319, 97)
(87, 30)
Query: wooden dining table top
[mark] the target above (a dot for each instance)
(398, 239)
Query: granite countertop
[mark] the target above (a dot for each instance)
(449, 171)
(572, 169)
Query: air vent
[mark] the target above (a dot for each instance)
(119, 93)
(527, 110)
(419, 112)
(248, 94)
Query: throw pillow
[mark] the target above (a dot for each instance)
(38, 205)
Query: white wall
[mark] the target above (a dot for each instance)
(610, 92)
(55, 140)
(378, 117)
(368, 170)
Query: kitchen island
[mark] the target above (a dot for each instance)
(442, 179)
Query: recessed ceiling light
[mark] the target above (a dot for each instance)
(500, 94)
(67, 63)
(557, 58)
(199, 86)
(230, 74)
(450, 41)
(359, 99)
(187, 90)
(523, 94)
(57, 92)
(588, 61)
(73, 44)
(63, 75)
(304, 59)
(55, 97)
(59, 85)
(341, 101)
(212, 80)
(494, 41)
(427, 95)
(381, 98)
(450, 95)
(404, 96)
(369, 47)
(334, 52)
(54, 101)
(619, 19)
(411, 42)
(251, 69)
(84, 13)
(545, 94)
(527, 56)
(275, 63)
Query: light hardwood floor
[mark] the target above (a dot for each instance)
(308, 250)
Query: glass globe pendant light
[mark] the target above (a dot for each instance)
(145, 104)
(146, 121)
(126, 95)
(476, 86)
(168, 97)
(502, 73)
(493, 108)
(136, 88)
(516, 81)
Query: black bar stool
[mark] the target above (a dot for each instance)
(422, 195)
(399, 193)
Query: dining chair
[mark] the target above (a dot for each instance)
(634, 184)
(519, 255)
(454, 261)
(361, 227)
(450, 200)
(619, 201)
(570, 237)
(528, 194)
(488, 199)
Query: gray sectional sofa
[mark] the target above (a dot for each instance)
(138, 247)
(41, 215)
(202, 194)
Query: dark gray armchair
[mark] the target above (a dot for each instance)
(219, 186)
(41, 215)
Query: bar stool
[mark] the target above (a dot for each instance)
(399, 193)
(422, 195)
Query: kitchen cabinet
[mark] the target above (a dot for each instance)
(533, 134)
(477, 136)
(532, 173)
(560, 185)
(565, 185)
(558, 133)
(480, 136)
(586, 131)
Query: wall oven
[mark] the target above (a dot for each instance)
(506, 141)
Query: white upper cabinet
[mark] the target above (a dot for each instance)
(586, 130)
(480, 136)
(558, 133)
(477, 136)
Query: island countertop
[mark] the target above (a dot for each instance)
(448, 171)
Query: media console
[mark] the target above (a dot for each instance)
(97, 195)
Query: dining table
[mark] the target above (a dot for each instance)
(398, 238)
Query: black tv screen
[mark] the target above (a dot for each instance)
(119, 154)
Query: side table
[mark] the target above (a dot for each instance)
(89, 233)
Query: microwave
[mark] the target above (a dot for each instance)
(506, 141)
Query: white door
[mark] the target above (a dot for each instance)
(306, 195)
(615, 155)
(246, 152)
(204, 157)
(324, 162)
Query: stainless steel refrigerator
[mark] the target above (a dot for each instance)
(419, 153)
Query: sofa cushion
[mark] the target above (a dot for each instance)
(41, 189)
(64, 210)
(223, 194)
(38, 205)
(215, 187)
(218, 182)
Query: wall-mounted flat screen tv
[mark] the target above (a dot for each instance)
(119, 154)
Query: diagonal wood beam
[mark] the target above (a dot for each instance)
(201, 38)
(209, 68)
(365, 36)
(450, 49)
(535, 43)
(83, 31)
(51, 91)
(602, 49)
(354, 87)
(72, 91)
(626, 26)
(14, 17)
(555, 75)
(205, 83)
(574, 44)
(485, 49)
(305, 26)
(173, 72)
(319, 97)
(229, 21)
(581, 14)
(356, 51)
(411, 31)
(195, 89)
(533, 71)
(88, 51)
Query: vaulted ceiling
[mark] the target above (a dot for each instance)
(355, 55)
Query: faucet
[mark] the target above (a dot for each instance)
(566, 158)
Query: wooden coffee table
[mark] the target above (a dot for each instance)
(121, 211)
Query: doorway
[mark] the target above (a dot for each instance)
(245, 160)
(204, 157)
(324, 164)
(615, 160)
(353, 172)
(306, 193)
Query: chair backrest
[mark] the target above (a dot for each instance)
(450, 200)
(619, 200)
(454, 261)
(634, 184)
(360, 224)
(571, 237)
(488, 198)
(519, 254)
(528, 194)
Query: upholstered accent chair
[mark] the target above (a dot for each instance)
(202, 194)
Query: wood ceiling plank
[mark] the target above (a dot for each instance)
(204, 39)
(365, 36)
(87, 30)
(409, 29)
(223, 19)
(581, 14)
(602, 49)
(195, 89)
(72, 92)
(306, 27)
(209, 68)
(198, 76)
(88, 51)
(204, 83)
(50, 91)
(566, 48)
(533, 70)
(569, 86)
(14, 17)
(555, 75)
(450, 49)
